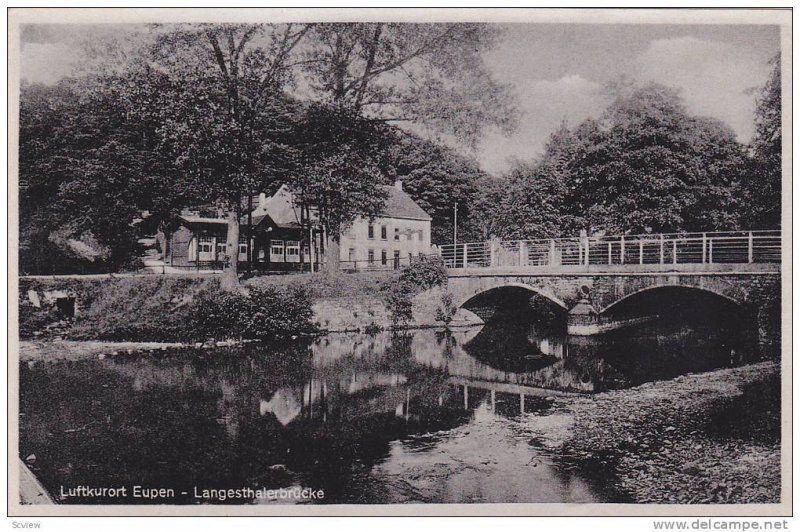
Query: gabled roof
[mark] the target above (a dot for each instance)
(400, 205)
(282, 210)
(203, 220)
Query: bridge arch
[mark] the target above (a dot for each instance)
(660, 287)
(465, 296)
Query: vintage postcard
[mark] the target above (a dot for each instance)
(400, 262)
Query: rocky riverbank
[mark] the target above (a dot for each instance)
(701, 438)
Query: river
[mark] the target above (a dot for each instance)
(415, 416)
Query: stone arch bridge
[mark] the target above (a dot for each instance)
(757, 284)
(596, 274)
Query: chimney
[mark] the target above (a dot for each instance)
(398, 184)
(262, 200)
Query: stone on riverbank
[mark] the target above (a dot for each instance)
(704, 438)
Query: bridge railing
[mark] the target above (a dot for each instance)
(730, 247)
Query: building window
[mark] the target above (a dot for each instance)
(383, 232)
(371, 231)
(396, 259)
(420, 233)
(221, 247)
(206, 244)
(292, 251)
(371, 256)
(276, 250)
(397, 233)
(383, 257)
(243, 245)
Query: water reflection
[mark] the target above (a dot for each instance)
(428, 416)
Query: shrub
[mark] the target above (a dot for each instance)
(33, 320)
(159, 308)
(262, 313)
(427, 273)
(217, 314)
(447, 310)
(398, 300)
(398, 292)
(279, 312)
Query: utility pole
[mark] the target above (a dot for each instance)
(455, 223)
(249, 235)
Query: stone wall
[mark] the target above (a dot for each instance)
(370, 313)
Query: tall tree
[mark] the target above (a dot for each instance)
(437, 178)
(763, 182)
(215, 91)
(645, 164)
(338, 176)
(429, 75)
(85, 177)
(650, 165)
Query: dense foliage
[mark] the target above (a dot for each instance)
(170, 309)
(440, 180)
(259, 313)
(211, 113)
(762, 184)
(85, 175)
(424, 274)
(645, 165)
(399, 291)
(189, 114)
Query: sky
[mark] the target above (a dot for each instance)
(557, 71)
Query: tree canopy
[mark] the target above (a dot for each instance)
(85, 177)
(431, 74)
(645, 164)
(763, 181)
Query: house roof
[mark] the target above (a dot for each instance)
(400, 205)
(203, 220)
(281, 209)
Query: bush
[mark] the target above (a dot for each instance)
(159, 308)
(398, 300)
(399, 291)
(274, 312)
(262, 313)
(34, 320)
(447, 310)
(425, 274)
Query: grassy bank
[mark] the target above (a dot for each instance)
(170, 308)
(160, 309)
(705, 438)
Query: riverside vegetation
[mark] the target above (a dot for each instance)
(196, 308)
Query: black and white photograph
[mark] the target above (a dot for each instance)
(456, 262)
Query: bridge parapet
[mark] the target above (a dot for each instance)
(670, 250)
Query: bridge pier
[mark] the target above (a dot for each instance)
(582, 319)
